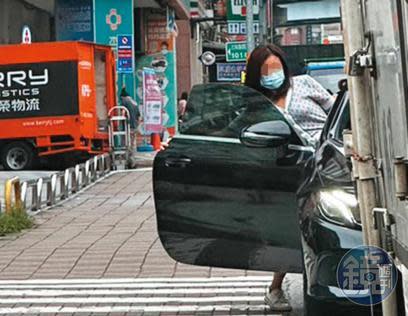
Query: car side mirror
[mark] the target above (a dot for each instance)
(266, 134)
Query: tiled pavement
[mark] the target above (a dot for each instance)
(104, 242)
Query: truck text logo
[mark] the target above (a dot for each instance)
(23, 78)
(21, 90)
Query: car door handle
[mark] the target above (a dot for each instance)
(180, 162)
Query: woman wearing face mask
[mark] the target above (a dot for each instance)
(302, 97)
(304, 102)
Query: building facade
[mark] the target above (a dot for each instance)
(149, 33)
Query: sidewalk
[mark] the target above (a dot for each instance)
(144, 159)
(108, 231)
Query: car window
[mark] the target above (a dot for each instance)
(333, 116)
(343, 123)
(223, 110)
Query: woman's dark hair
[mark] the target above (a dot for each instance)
(184, 96)
(253, 70)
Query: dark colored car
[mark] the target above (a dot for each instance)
(257, 197)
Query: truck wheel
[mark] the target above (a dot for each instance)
(17, 156)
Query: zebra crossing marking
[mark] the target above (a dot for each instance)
(148, 295)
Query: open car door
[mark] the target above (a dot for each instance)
(220, 203)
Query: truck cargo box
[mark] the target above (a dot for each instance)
(54, 98)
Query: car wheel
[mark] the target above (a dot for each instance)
(17, 156)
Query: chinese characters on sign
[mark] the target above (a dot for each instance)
(125, 53)
(22, 99)
(237, 9)
(152, 102)
(19, 105)
(158, 37)
(236, 15)
(367, 275)
(42, 89)
(230, 71)
(74, 20)
(239, 28)
(113, 18)
(236, 51)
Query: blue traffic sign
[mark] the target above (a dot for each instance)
(125, 53)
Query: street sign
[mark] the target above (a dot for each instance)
(236, 51)
(125, 53)
(236, 9)
(236, 16)
(74, 20)
(239, 27)
(26, 35)
(230, 71)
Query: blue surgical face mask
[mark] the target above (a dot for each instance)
(274, 80)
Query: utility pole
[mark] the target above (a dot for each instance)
(272, 20)
(250, 25)
(263, 24)
(364, 169)
(364, 166)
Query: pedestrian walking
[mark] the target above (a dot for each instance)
(182, 105)
(134, 115)
(303, 101)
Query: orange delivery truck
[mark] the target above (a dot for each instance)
(54, 100)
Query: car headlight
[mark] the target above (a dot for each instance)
(339, 206)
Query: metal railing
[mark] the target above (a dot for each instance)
(33, 195)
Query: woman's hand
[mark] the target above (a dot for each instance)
(164, 145)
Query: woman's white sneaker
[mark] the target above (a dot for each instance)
(277, 301)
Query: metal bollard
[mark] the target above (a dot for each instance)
(34, 197)
(83, 176)
(108, 165)
(95, 169)
(102, 165)
(24, 188)
(69, 181)
(51, 190)
(64, 183)
(40, 184)
(85, 181)
(75, 179)
(12, 185)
